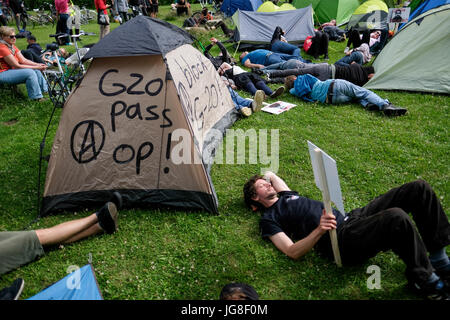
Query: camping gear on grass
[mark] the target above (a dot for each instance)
(145, 121)
(80, 284)
(258, 27)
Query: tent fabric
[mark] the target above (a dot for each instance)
(159, 37)
(370, 15)
(416, 59)
(143, 126)
(258, 27)
(229, 7)
(81, 284)
(269, 6)
(424, 7)
(286, 6)
(326, 10)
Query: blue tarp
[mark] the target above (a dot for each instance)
(424, 7)
(79, 285)
(229, 7)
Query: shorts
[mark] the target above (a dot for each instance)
(18, 248)
(154, 8)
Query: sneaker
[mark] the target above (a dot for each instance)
(347, 49)
(245, 111)
(41, 99)
(432, 291)
(277, 92)
(258, 100)
(372, 107)
(14, 291)
(107, 217)
(392, 111)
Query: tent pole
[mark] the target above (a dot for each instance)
(239, 43)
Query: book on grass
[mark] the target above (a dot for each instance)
(278, 107)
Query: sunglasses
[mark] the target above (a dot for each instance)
(12, 37)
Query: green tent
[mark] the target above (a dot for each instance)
(416, 59)
(327, 10)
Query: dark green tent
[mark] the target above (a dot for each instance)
(327, 10)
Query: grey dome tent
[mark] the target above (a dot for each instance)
(142, 122)
(258, 27)
(416, 59)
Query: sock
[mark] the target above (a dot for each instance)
(433, 278)
(439, 260)
(434, 282)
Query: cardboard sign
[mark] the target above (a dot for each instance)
(399, 15)
(331, 175)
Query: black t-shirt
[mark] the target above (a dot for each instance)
(297, 217)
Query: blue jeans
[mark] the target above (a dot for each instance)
(33, 79)
(280, 57)
(290, 64)
(239, 102)
(345, 91)
(355, 56)
(284, 47)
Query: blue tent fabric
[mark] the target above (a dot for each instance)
(424, 7)
(229, 7)
(79, 285)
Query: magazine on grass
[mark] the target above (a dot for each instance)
(278, 107)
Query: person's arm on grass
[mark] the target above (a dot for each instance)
(303, 246)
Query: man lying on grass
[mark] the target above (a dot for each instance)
(296, 224)
(336, 91)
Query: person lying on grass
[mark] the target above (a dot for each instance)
(18, 248)
(296, 224)
(309, 88)
(248, 81)
(353, 73)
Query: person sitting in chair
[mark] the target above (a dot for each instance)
(15, 68)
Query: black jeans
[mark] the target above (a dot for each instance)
(319, 45)
(384, 224)
(31, 55)
(355, 40)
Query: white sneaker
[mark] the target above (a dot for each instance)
(245, 111)
(258, 100)
(347, 49)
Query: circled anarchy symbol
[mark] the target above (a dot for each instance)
(91, 145)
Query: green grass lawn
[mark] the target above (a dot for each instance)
(169, 254)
